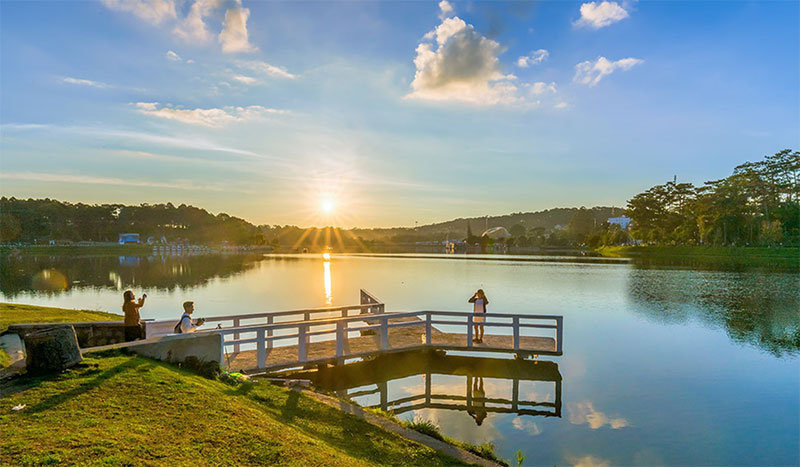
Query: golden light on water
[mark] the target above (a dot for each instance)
(49, 280)
(326, 271)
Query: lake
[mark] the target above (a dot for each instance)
(661, 365)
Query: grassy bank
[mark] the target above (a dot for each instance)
(11, 313)
(783, 257)
(126, 410)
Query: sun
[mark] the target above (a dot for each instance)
(327, 206)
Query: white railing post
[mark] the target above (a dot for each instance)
(516, 332)
(262, 353)
(339, 339)
(302, 351)
(428, 328)
(469, 330)
(385, 333)
(269, 331)
(428, 387)
(515, 395)
(236, 324)
(559, 334)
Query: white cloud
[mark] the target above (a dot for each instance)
(561, 105)
(462, 66)
(173, 56)
(234, 37)
(540, 87)
(584, 412)
(598, 15)
(445, 7)
(590, 73)
(193, 27)
(526, 425)
(213, 117)
(588, 461)
(245, 79)
(265, 68)
(110, 134)
(84, 179)
(534, 58)
(86, 82)
(152, 11)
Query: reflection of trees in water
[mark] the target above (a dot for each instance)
(17, 273)
(759, 308)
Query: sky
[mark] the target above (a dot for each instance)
(377, 114)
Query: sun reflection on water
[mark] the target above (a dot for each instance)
(326, 267)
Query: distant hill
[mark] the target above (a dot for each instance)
(457, 228)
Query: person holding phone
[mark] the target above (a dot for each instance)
(479, 302)
(133, 325)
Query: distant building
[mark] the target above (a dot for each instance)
(496, 233)
(125, 238)
(621, 221)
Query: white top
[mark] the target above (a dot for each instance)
(478, 306)
(186, 324)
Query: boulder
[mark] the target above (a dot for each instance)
(51, 350)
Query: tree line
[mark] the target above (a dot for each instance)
(759, 204)
(41, 220)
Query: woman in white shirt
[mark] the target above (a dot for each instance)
(479, 302)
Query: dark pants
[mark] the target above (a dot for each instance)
(133, 332)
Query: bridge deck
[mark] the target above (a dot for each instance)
(400, 339)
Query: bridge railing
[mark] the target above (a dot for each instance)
(428, 399)
(304, 333)
(369, 304)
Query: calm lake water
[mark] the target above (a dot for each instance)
(660, 366)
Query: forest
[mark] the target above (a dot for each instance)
(758, 205)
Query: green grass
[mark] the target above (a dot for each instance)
(127, 410)
(11, 313)
(427, 427)
(779, 257)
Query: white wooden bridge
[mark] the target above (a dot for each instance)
(271, 341)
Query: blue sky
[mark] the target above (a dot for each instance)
(396, 112)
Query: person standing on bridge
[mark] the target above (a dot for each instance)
(130, 307)
(185, 325)
(479, 302)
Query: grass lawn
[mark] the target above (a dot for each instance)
(11, 313)
(782, 257)
(126, 410)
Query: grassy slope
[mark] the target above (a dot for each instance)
(745, 252)
(11, 313)
(785, 257)
(125, 410)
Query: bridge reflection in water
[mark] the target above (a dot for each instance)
(349, 382)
